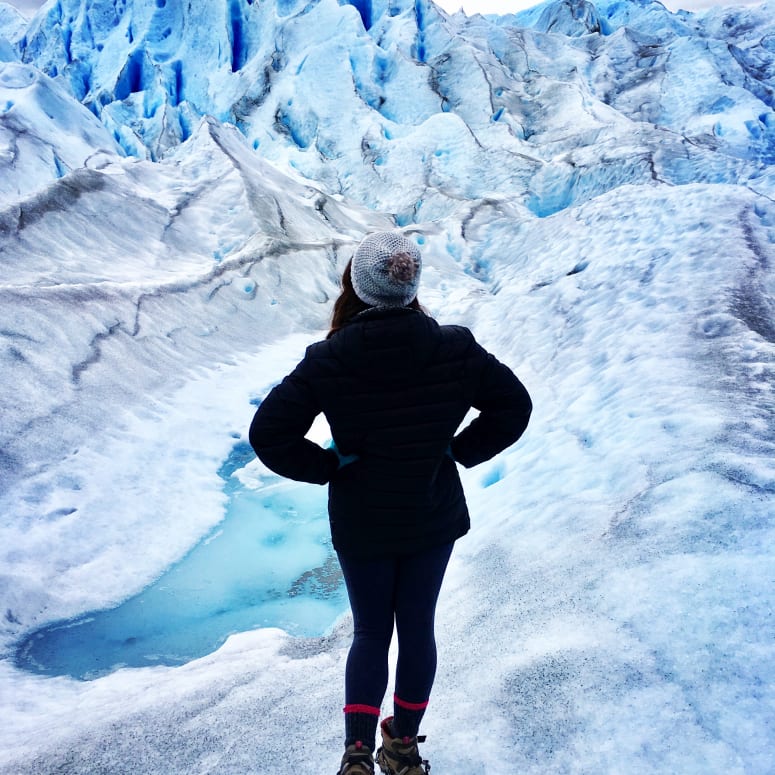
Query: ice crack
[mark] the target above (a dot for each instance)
(751, 303)
(95, 354)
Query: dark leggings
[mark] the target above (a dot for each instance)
(381, 590)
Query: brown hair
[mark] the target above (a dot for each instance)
(348, 305)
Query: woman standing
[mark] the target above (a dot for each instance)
(394, 386)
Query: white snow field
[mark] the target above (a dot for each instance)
(592, 188)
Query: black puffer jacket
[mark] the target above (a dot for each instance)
(394, 387)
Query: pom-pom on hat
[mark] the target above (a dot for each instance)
(386, 269)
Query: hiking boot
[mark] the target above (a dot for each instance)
(357, 760)
(400, 756)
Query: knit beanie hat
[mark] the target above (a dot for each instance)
(386, 269)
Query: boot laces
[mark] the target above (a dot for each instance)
(354, 761)
(356, 758)
(424, 763)
(405, 761)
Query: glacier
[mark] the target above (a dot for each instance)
(592, 186)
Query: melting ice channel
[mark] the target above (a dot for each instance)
(269, 563)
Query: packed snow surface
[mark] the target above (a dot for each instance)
(592, 188)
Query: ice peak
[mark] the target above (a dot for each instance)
(570, 17)
(337, 92)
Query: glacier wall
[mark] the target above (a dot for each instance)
(427, 92)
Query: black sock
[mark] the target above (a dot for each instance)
(407, 717)
(359, 725)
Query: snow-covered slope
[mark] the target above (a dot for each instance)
(102, 267)
(44, 133)
(592, 186)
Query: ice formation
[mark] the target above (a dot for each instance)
(592, 188)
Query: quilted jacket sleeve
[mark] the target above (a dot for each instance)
(504, 406)
(278, 428)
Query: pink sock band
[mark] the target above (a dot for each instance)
(370, 709)
(410, 705)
